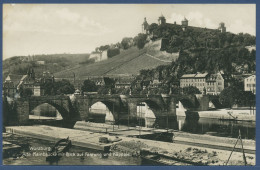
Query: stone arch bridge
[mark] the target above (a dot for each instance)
(123, 107)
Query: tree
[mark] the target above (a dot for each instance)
(26, 92)
(191, 90)
(89, 86)
(48, 87)
(63, 87)
(152, 27)
(141, 40)
(112, 52)
(229, 96)
(246, 98)
(104, 90)
(126, 42)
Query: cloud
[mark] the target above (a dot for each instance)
(59, 21)
(238, 26)
(195, 19)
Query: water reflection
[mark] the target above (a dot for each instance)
(205, 126)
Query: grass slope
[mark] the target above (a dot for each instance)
(128, 62)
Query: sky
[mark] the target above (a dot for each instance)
(30, 29)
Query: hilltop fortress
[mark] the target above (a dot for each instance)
(184, 25)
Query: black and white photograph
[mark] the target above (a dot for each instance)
(129, 84)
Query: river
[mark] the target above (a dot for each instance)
(224, 128)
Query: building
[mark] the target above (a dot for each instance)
(12, 84)
(124, 82)
(40, 62)
(161, 20)
(196, 80)
(37, 90)
(212, 83)
(250, 84)
(215, 84)
(184, 24)
(222, 27)
(122, 85)
(155, 83)
(99, 81)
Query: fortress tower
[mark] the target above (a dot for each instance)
(222, 27)
(184, 24)
(161, 20)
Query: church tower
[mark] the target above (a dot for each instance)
(161, 20)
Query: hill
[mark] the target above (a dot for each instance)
(128, 62)
(52, 63)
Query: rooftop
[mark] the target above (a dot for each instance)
(198, 75)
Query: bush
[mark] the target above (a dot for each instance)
(89, 86)
(229, 96)
(112, 52)
(191, 90)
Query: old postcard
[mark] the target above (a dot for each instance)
(129, 84)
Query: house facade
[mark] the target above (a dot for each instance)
(211, 83)
(250, 84)
(14, 84)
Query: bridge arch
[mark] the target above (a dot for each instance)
(152, 105)
(103, 109)
(61, 109)
(186, 103)
(113, 106)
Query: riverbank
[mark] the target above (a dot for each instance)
(88, 139)
(216, 142)
(33, 152)
(222, 114)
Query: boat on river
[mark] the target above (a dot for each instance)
(59, 149)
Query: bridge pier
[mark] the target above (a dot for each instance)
(203, 102)
(22, 110)
(171, 107)
(82, 106)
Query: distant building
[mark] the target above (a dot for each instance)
(161, 20)
(155, 83)
(184, 24)
(250, 84)
(40, 62)
(99, 81)
(37, 90)
(215, 84)
(212, 83)
(222, 27)
(14, 83)
(124, 83)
